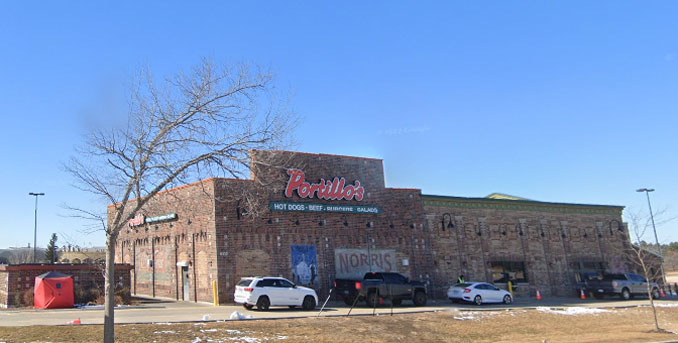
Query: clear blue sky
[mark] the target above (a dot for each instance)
(573, 101)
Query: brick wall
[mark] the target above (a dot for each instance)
(159, 250)
(548, 238)
(21, 277)
(225, 230)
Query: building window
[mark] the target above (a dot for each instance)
(587, 270)
(505, 271)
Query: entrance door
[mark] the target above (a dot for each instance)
(184, 281)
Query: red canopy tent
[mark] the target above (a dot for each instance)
(53, 290)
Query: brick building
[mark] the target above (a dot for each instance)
(315, 217)
(15, 279)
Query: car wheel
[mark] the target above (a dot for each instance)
(372, 299)
(247, 306)
(625, 294)
(419, 298)
(349, 301)
(263, 303)
(309, 303)
(507, 299)
(478, 300)
(655, 293)
(396, 302)
(291, 306)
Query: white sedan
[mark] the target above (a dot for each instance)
(264, 292)
(478, 293)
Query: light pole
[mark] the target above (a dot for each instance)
(35, 231)
(654, 228)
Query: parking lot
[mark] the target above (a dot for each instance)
(153, 311)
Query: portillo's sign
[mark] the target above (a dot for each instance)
(336, 189)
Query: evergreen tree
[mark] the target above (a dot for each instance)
(51, 254)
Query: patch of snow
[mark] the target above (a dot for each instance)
(239, 316)
(164, 323)
(209, 330)
(246, 339)
(233, 332)
(197, 324)
(465, 316)
(159, 332)
(572, 311)
(666, 305)
(196, 340)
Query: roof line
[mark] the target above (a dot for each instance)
(322, 155)
(506, 201)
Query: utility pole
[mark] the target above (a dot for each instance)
(35, 230)
(654, 228)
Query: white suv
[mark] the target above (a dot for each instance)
(273, 291)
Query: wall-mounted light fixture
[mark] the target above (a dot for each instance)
(450, 224)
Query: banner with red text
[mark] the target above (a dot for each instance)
(354, 263)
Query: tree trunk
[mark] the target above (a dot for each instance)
(109, 304)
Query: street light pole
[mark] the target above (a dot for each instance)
(35, 231)
(654, 228)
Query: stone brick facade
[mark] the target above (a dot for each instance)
(15, 279)
(219, 230)
(554, 242)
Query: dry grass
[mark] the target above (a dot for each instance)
(623, 325)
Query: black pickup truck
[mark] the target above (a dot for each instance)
(378, 285)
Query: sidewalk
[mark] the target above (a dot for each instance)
(168, 311)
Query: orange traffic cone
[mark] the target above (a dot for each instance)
(662, 294)
(582, 295)
(538, 295)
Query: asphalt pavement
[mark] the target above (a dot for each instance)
(154, 311)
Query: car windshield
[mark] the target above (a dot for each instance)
(244, 282)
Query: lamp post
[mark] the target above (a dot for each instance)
(35, 231)
(654, 228)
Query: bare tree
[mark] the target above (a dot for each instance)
(647, 262)
(22, 255)
(203, 123)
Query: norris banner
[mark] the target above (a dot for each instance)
(354, 263)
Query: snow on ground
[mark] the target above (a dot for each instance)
(572, 311)
(230, 335)
(159, 332)
(474, 315)
(666, 305)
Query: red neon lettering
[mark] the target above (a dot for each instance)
(337, 189)
(296, 179)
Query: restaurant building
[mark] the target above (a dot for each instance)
(315, 217)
